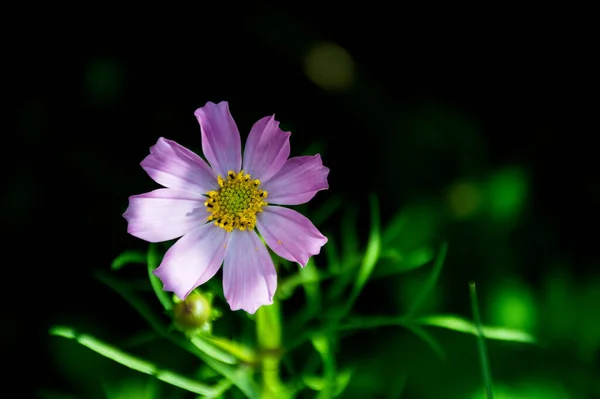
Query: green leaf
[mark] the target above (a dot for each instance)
(372, 251)
(135, 363)
(241, 377)
(153, 262)
(128, 257)
(322, 344)
(460, 324)
(411, 228)
(429, 340)
(450, 322)
(430, 282)
(323, 213)
(481, 348)
(392, 262)
(317, 383)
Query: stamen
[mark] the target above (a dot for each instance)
(235, 204)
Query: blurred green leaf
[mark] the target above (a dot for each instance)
(460, 324)
(317, 383)
(47, 394)
(392, 262)
(371, 253)
(153, 262)
(322, 344)
(429, 340)
(322, 213)
(350, 253)
(135, 363)
(128, 257)
(349, 234)
(411, 228)
(139, 387)
(450, 322)
(430, 282)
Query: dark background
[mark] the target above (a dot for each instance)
(434, 98)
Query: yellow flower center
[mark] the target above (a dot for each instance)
(235, 204)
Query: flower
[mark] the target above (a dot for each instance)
(215, 209)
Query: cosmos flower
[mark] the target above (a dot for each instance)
(218, 209)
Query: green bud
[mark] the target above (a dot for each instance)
(192, 314)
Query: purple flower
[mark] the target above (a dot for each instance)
(214, 209)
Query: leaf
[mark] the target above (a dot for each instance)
(317, 383)
(430, 282)
(371, 253)
(238, 376)
(135, 363)
(157, 285)
(128, 257)
(460, 324)
(429, 340)
(391, 262)
(450, 322)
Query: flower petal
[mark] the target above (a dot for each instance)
(297, 181)
(164, 214)
(289, 234)
(220, 137)
(193, 260)
(267, 149)
(174, 166)
(249, 277)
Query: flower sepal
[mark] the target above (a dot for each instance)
(195, 314)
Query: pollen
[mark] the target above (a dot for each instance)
(236, 203)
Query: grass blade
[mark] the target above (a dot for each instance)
(483, 358)
(135, 363)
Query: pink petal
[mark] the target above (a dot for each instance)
(174, 166)
(267, 149)
(220, 137)
(164, 214)
(289, 234)
(193, 260)
(297, 181)
(249, 277)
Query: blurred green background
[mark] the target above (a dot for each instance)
(475, 132)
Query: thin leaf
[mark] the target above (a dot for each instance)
(428, 338)
(371, 253)
(135, 363)
(128, 257)
(481, 349)
(430, 282)
(392, 262)
(460, 324)
(450, 322)
(153, 262)
(238, 376)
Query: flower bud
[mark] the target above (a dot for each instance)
(193, 313)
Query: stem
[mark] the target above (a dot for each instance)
(268, 335)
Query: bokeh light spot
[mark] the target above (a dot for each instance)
(329, 66)
(507, 193)
(464, 199)
(103, 80)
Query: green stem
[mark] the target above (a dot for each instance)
(268, 335)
